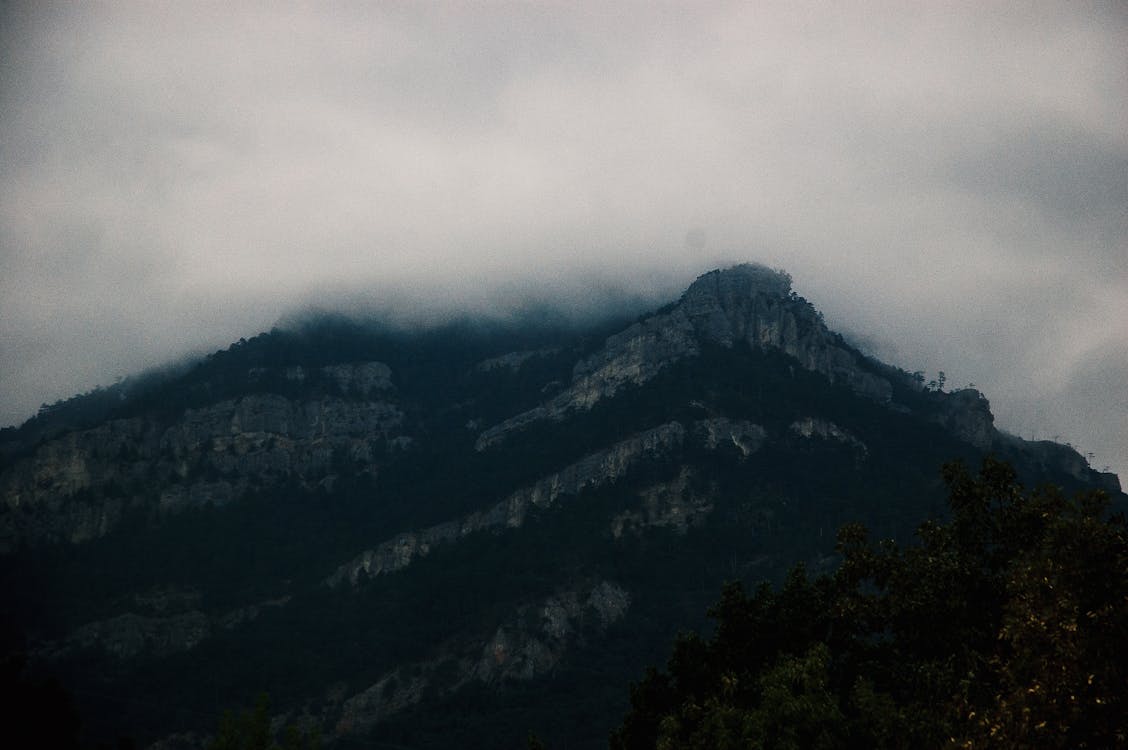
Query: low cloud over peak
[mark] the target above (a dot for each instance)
(947, 181)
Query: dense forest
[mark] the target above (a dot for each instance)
(1004, 627)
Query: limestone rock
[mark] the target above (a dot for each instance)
(517, 652)
(362, 378)
(967, 414)
(590, 471)
(525, 646)
(812, 427)
(747, 437)
(669, 505)
(76, 486)
(746, 303)
(512, 360)
(130, 635)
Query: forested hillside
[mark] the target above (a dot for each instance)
(451, 536)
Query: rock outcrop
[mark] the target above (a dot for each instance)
(747, 303)
(661, 506)
(966, 413)
(666, 505)
(590, 471)
(131, 635)
(518, 653)
(813, 427)
(512, 360)
(526, 646)
(747, 437)
(77, 486)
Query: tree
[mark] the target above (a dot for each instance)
(1005, 627)
(34, 711)
(250, 730)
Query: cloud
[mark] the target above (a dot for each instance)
(949, 181)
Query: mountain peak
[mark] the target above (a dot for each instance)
(747, 304)
(553, 496)
(743, 279)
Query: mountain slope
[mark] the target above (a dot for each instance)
(498, 524)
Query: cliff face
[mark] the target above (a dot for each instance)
(153, 634)
(745, 304)
(754, 305)
(527, 646)
(592, 471)
(76, 487)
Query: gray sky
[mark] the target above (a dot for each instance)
(947, 181)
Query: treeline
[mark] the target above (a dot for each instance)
(1005, 627)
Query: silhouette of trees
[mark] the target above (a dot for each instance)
(1005, 627)
(34, 711)
(250, 730)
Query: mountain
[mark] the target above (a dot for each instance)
(450, 536)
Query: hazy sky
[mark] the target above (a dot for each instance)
(947, 181)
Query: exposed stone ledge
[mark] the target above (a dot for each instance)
(746, 303)
(526, 646)
(590, 471)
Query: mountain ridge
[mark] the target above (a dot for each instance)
(745, 303)
(455, 498)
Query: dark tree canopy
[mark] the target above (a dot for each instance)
(1005, 627)
(250, 730)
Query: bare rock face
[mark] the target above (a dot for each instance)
(755, 304)
(391, 694)
(666, 505)
(967, 414)
(524, 647)
(1048, 455)
(518, 652)
(747, 437)
(362, 378)
(631, 358)
(663, 505)
(512, 360)
(76, 486)
(130, 635)
(590, 471)
(813, 427)
(746, 303)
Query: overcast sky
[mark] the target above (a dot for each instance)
(948, 182)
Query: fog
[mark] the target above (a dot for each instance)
(949, 184)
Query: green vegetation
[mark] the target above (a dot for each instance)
(250, 730)
(34, 711)
(253, 569)
(1006, 627)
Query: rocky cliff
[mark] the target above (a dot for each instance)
(525, 647)
(77, 486)
(745, 304)
(593, 470)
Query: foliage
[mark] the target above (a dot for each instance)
(34, 711)
(250, 730)
(769, 509)
(1006, 627)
